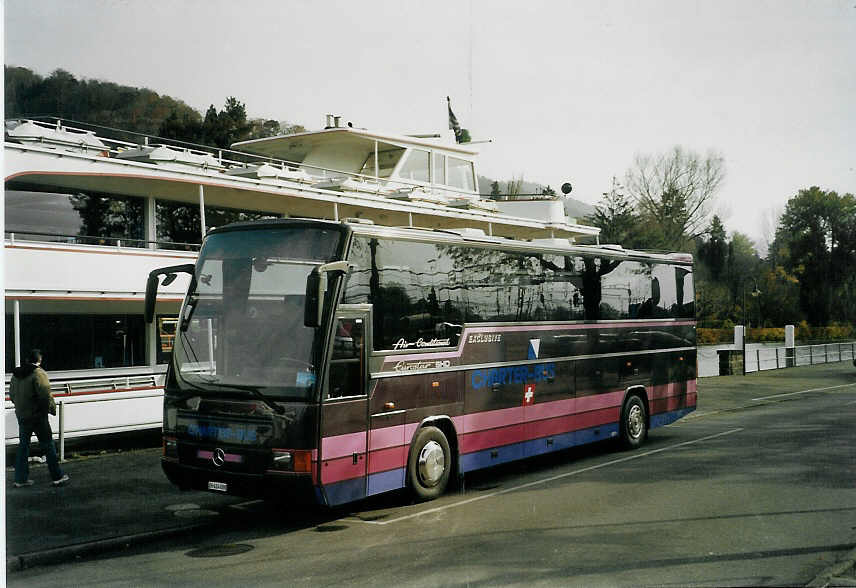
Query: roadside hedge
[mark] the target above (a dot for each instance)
(804, 334)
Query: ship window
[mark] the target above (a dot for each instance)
(415, 166)
(179, 225)
(461, 174)
(72, 341)
(38, 213)
(387, 160)
(439, 170)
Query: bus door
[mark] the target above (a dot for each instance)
(386, 438)
(345, 410)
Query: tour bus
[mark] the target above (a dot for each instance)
(331, 361)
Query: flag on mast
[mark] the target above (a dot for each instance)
(453, 122)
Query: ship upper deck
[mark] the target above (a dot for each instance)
(334, 173)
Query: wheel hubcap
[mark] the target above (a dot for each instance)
(432, 463)
(635, 421)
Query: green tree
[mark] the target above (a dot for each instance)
(714, 251)
(615, 217)
(742, 265)
(816, 242)
(779, 298)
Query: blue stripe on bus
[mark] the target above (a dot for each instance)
(347, 491)
(355, 489)
(667, 418)
(385, 481)
(319, 496)
(507, 453)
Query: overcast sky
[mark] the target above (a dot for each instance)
(567, 91)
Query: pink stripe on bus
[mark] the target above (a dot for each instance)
(574, 422)
(481, 440)
(547, 410)
(386, 437)
(492, 419)
(336, 470)
(387, 459)
(342, 445)
(518, 414)
(597, 401)
(493, 438)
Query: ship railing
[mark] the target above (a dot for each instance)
(119, 144)
(119, 242)
(99, 406)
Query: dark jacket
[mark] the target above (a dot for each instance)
(30, 391)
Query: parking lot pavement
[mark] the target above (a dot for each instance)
(111, 501)
(118, 499)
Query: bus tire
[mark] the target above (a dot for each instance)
(634, 422)
(429, 464)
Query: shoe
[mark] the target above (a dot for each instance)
(22, 484)
(61, 481)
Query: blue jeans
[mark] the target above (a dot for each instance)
(42, 428)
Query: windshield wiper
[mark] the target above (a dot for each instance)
(189, 309)
(255, 391)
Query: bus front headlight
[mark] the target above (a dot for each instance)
(292, 460)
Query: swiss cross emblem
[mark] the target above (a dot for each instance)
(529, 394)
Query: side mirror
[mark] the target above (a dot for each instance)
(154, 280)
(151, 298)
(316, 287)
(312, 310)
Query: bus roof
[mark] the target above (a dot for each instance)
(470, 236)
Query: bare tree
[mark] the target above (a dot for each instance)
(675, 191)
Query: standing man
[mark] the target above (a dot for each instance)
(30, 391)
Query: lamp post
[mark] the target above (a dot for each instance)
(754, 293)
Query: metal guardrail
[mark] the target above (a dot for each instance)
(771, 358)
(120, 242)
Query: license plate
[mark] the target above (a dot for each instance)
(219, 486)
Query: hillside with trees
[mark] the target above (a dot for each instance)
(138, 110)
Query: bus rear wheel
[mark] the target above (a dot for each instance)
(429, 464)
(634, 423)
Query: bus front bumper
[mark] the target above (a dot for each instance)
(293, 487)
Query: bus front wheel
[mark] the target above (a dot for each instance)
(634, 423)
(429, 464)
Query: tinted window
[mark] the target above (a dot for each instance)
(57, 214)
(416, 291)
(642, 290)
(423, 291)
(81, 341)
(181, 223)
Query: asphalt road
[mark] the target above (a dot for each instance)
(756, 495)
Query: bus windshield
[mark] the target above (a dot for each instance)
(242, 325)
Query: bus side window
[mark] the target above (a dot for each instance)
(346, 362)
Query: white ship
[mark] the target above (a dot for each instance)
(88, 213)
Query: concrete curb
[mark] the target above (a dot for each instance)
(57, 555)
(829, 576)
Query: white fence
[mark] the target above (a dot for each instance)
(99, 406)
(771, 358)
